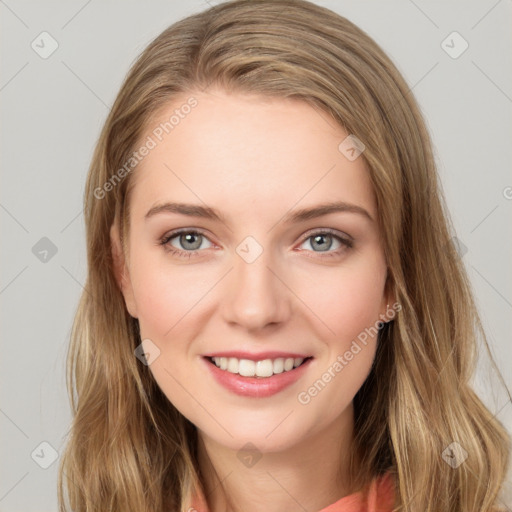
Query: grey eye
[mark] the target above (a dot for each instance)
(322, 242)
(189, 240)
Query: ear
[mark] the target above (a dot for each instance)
(120, 270)
(388, 300)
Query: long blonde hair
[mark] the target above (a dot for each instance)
(129, 449)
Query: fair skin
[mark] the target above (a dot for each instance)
(256, 160)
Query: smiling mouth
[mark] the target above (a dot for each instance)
(262, 369)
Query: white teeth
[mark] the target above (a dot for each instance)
(263, 368)
(233, 365)
(288, 364)
(279, 365)
(246, 367)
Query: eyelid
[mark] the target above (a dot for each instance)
(330, 231)
(174, 233)
(344, 238)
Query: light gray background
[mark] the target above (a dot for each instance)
(52, 111)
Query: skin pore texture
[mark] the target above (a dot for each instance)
(256, 160)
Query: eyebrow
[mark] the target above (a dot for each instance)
(303, 214)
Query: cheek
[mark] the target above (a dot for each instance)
(348, 302)
(345, 300)
(168, 300)
(165, 295)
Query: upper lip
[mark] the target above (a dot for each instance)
(238, 354)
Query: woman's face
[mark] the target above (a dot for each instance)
(252, 279)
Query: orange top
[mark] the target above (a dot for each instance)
(380, 498)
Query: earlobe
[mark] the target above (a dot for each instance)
(391, 299)
(388, 306)
(120, 270)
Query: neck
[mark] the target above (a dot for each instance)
(308, 476)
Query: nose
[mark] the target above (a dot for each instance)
(256, 295)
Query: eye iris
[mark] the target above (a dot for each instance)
(188, 239)
(322, 247)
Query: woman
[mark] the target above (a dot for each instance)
(312, 349)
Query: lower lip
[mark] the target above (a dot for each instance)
(258, 387)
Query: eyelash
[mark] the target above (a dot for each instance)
(164, 241)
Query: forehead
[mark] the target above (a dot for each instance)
(237, 152)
